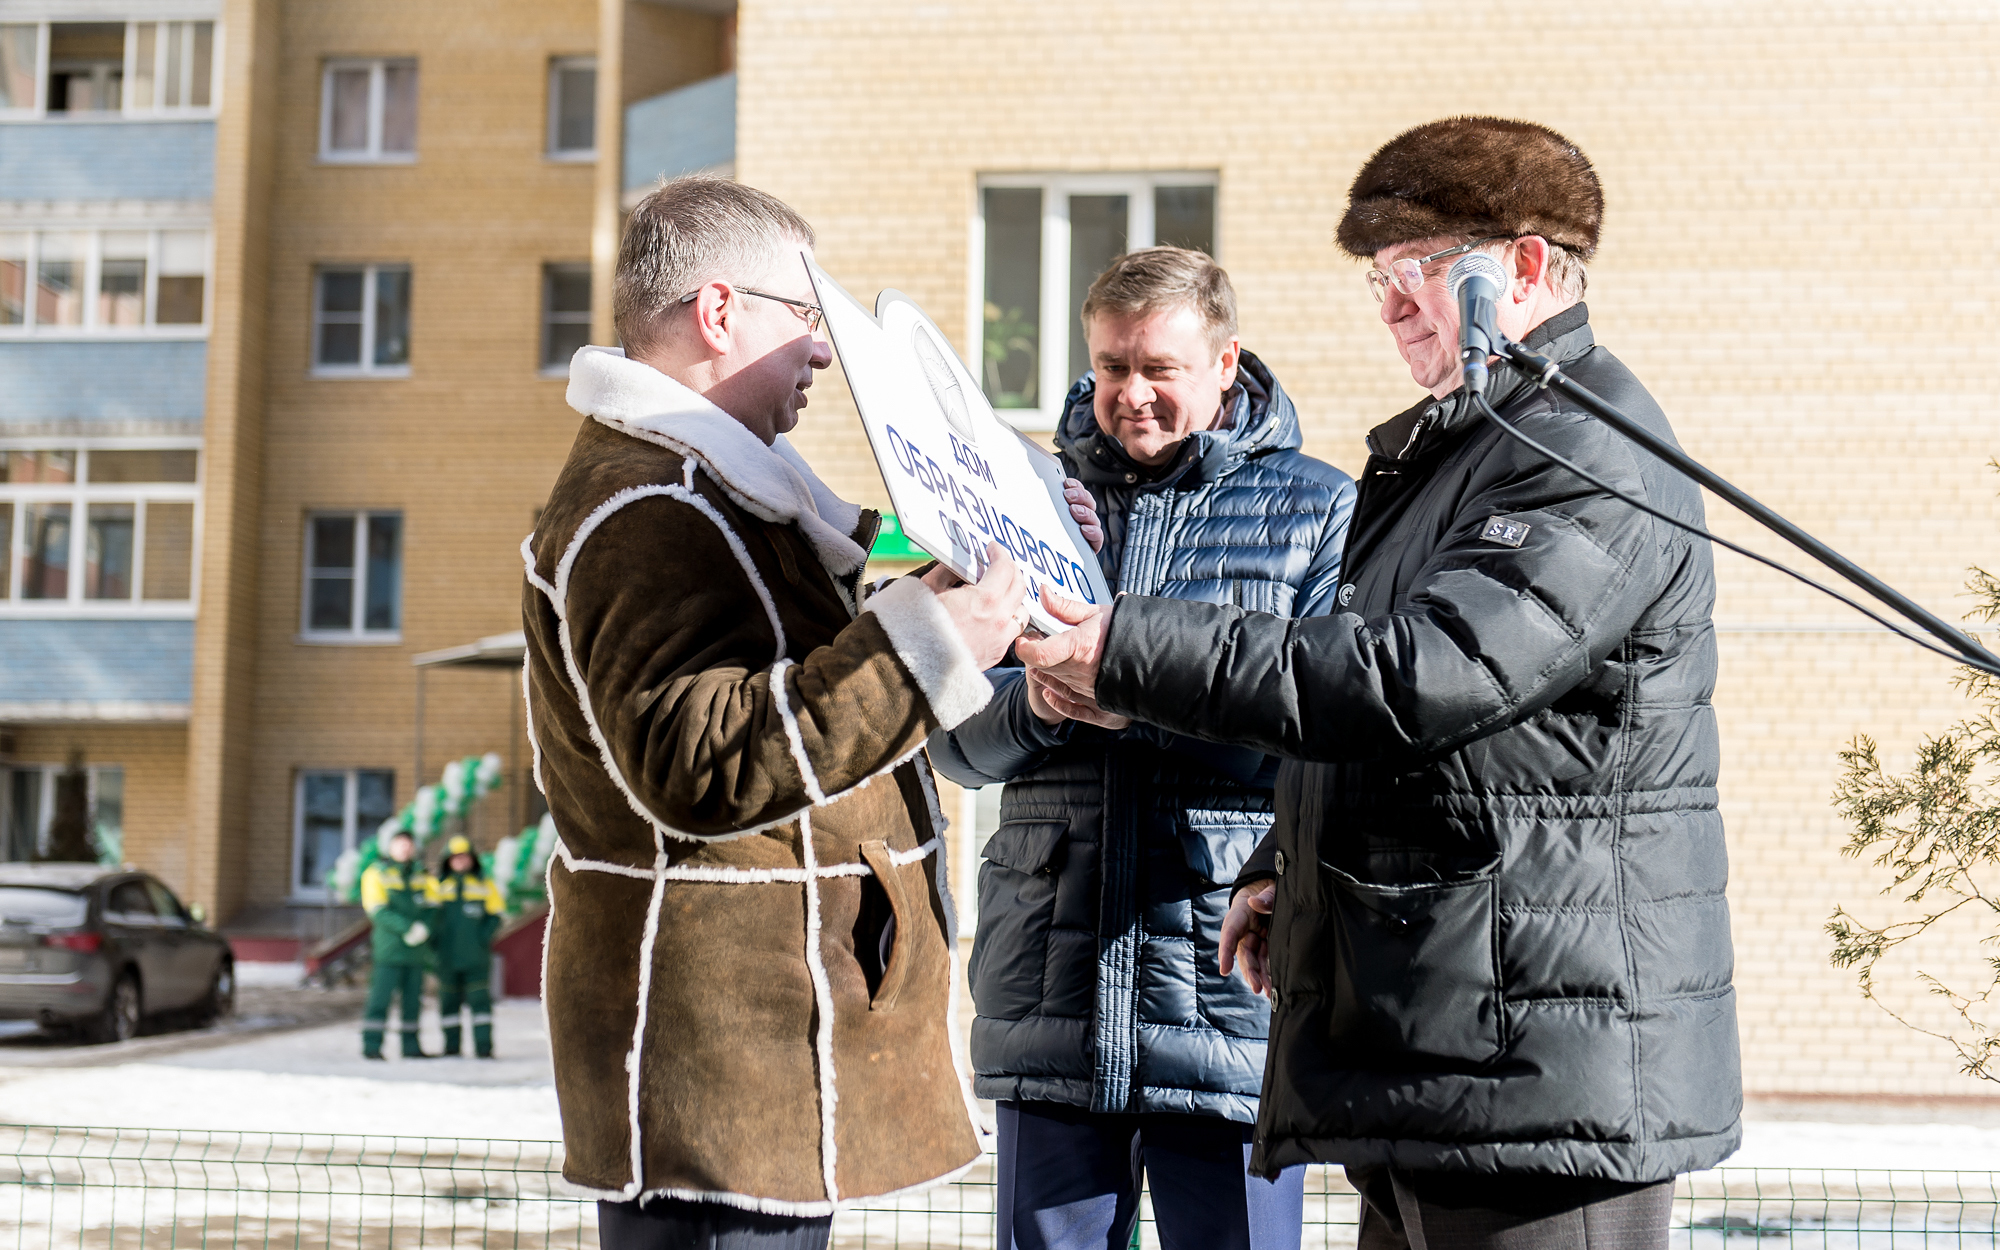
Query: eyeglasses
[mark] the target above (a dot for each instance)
(1407, 274)
(812, 313)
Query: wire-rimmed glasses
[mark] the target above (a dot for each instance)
(811, 313)
(1407, 274)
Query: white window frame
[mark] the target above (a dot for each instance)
(549, 317)
(39, 109)
(357, 634)
(80, 494)
(45, 804)
(126, 111)
(373, 153)
(160, 111)
(93, 272)
(351, 834)
(1054, 379)
(577, 155)
(367, 368)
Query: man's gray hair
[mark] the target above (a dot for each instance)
(688, 231)
(1566, 275)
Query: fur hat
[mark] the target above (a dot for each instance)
(1474, 176)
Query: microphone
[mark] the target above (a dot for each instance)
(1476, 281)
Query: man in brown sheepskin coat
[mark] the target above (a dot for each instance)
(1490, 910)
(750, 963)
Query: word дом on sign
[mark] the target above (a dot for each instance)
(1028, 551)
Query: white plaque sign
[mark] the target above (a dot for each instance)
(958, 476)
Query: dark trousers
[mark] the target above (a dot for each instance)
(467, 988)
(1467, 1211)
(1069, 1180)
(671, 1224)
(388, 981)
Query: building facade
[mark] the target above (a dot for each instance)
(984, 157)
(107, 154)
(286, 290)
(287, 296)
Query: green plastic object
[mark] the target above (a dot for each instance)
(891, 543)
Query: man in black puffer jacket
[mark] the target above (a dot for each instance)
(1497, 934)
(1104, 1028)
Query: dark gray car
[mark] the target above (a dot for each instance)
(99, 949)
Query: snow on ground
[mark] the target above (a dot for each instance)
(314, 1080)
(1926, 1147)
(273, 975)
(310, 1081)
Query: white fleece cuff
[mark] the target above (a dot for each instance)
(929, 646)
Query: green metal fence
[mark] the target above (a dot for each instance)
(96, 1187)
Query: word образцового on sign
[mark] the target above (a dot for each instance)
(991, 523)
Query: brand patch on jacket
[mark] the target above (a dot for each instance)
(1505, 532)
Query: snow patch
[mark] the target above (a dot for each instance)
(153, 1095)
(1916, 1147)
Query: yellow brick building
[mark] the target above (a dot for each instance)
(1797, 198)
(1796, 194)
(392, 210)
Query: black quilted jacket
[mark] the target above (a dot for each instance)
(1501, 943)
(1103, 889)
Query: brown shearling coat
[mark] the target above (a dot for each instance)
(749, 959)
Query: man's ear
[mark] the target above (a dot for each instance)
(1232, 352)
(1531, 265)
(712, 318)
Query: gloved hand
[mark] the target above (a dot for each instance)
(419, 934)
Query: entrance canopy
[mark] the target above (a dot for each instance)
(493, 651)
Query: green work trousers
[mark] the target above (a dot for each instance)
(384, 984)
(466, 986)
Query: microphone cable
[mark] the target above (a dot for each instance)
(1486, 409)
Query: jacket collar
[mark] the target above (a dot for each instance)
(1425, 425)
(1260, 419)
(772, 483)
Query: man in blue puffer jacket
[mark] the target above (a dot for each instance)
(1103, 1028)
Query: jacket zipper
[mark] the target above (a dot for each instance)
(1416, 432)
(873, 530)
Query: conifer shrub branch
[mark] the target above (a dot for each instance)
(1935, 831)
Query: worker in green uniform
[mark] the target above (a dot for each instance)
(468, 906)
(396, 895)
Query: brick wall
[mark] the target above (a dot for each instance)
(467, 445)
(154, 758)
(1796, 194)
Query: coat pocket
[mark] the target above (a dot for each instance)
(1216, 843)
(911, 939)
(1415, 969)
(1029, 847)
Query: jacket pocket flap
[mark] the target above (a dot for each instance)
(1026, 846)
(1414, 968)
(1407, 901)
(1217, 843)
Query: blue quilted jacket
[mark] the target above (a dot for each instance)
(1103, 890)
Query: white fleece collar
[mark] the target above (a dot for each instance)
(772, 483)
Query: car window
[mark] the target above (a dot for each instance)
(164, 902)
(129, 900)
(21, 904)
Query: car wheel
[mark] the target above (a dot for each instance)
(221, 1000)
(119, 1020)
